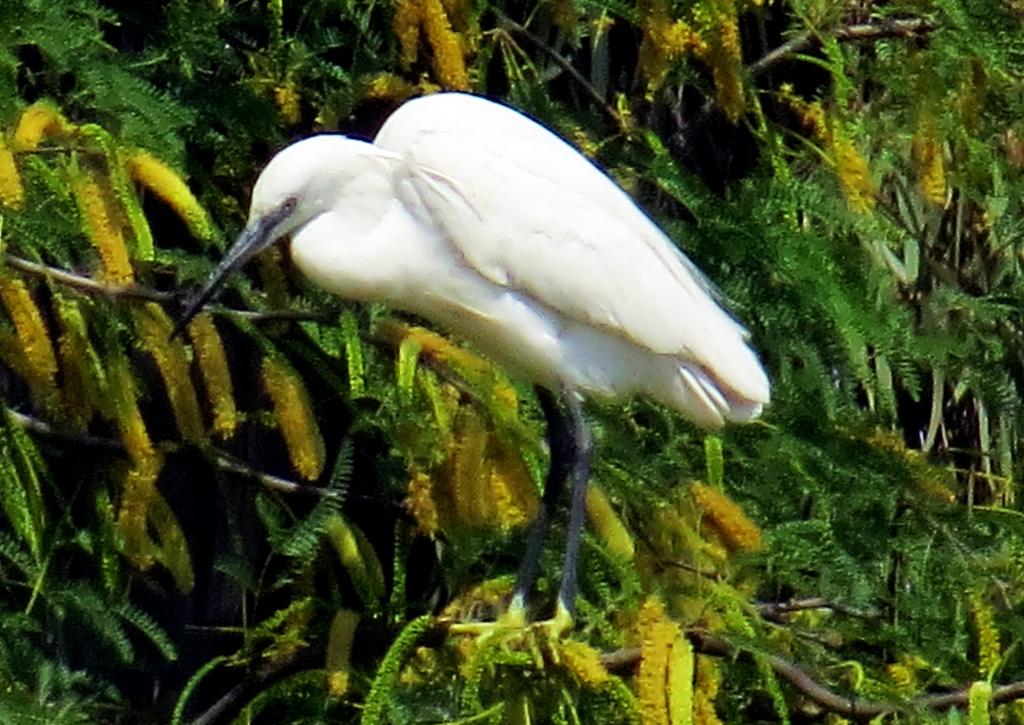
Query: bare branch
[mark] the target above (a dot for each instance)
(776, 611)
(562, 62)
(86, 284)
(136, 292)
(219, 458)
(628, 658)
(890, 28)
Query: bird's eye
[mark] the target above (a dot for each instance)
(289, 205)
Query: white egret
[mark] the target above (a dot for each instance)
(471, 215)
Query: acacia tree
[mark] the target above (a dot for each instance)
(283, 513)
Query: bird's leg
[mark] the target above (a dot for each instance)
(582, 449)
(560, 445)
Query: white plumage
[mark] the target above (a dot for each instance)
(473, 216)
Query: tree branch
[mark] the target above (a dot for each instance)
(562, 62)
(776, 611)
(890, 28)
(86, 284)
(136, 292)
(219, 458)
(628, 658)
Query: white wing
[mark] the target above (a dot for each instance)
(527, 211)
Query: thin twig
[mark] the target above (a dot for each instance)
(254, 682)
(562, 62)
(219, 458)
(92, 286)
(776, 611)
(627, 658)
(229, 463)
(87, 284)
(890, 28)
(81, 440)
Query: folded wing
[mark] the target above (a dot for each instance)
(527, 211)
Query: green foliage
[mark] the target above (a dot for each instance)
(858, 200)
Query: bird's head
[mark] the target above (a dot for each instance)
(300, 183)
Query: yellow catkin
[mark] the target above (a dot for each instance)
(902, 675)
(213, 365)
(707, 682)
(154, 328)
(33, 339)
(680, 681)
(986, 634)
(852, 170)
(511, 483)
(12, 192)
(79, 390)
(37, 122)
(449, 64)
(389, 86)
(935, 482)
(419, 502)
(665, 41)
(657, 634)
(338, 662)
(470, 471)
(295, 418)
(153, 174)
(124, 407)
(584, 662)
(406, 24)
(609, 527)
(133, 513)
(172, 549)
(810, 113)
(286, 96)
(471, 366)
(736, 530)
(106, 235)
(930, 164)
(726, 61)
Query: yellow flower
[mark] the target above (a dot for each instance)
(287, 98)
(38, 121)
(852, 170)
(419, 501)
(608, 525)
(154, 327)
(665, 676)
(986, 634)
(735, 529)
(213, 365)
(295, 418)
(96, 207)
(124, 409)
(406, 24)
(153, 174)
(726, 60)
(931, 164)
(133, 513)
(12, 193)
(33, 339)
(707, 681)
(449, 64)
(584, 662)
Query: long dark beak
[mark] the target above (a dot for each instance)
(256, 237)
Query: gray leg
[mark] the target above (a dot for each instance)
(581, 449)
(560, 445)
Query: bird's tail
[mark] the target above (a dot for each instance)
(710, 402)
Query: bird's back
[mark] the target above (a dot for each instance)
(531, 214)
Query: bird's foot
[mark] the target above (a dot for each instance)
(511, 629)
